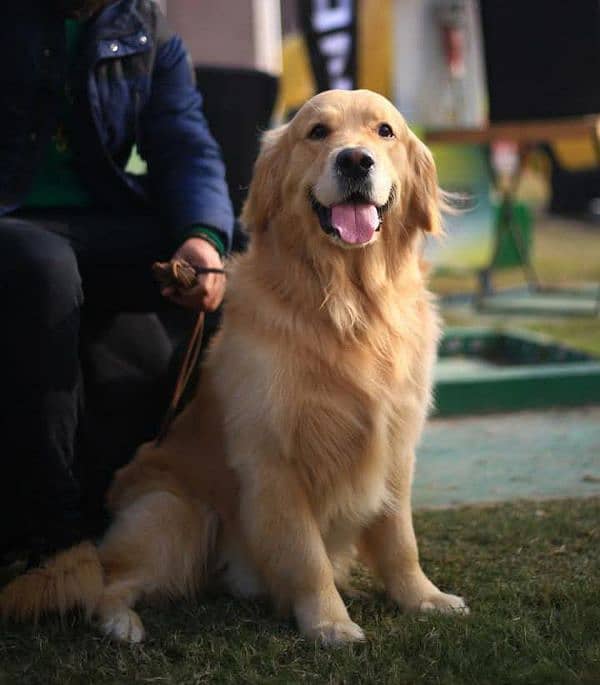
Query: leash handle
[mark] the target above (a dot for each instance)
(180, 274)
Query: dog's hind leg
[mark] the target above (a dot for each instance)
(160, 544)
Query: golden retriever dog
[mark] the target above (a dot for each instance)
(296, 454)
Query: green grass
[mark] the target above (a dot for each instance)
(529, 570)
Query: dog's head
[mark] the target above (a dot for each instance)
(346, 170)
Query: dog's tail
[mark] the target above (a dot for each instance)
(72, 579)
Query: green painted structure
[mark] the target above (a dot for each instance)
(481, 370)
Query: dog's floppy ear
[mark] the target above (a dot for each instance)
(425, 199)
(264, 195)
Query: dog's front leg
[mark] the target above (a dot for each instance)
(286, 545)
(390, 546)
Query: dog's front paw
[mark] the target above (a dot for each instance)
(417, 593)
(322, 616)
(332, 633)
(444, 603)
(124, 625)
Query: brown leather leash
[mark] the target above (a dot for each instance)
(184, 276)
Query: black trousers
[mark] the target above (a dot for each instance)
(55, 268)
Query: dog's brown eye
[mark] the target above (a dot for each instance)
(318, 132)
(385, 131)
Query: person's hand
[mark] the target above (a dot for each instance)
(208, 293)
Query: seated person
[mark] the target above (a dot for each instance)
(81, 82)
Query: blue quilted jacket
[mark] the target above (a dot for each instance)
(132, 83)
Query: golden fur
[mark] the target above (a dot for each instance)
(298, 447)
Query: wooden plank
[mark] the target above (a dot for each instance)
(520, 131)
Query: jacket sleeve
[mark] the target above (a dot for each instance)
(185, 167)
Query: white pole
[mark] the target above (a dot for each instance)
(267, 36)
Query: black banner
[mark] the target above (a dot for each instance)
(329, 28)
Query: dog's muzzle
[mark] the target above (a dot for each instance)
(355, 217)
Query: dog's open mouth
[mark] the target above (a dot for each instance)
(353, 221)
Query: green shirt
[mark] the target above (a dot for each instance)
(57, 183)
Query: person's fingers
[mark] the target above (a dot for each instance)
(212, 296)
(210, 304)
(207, 294)
(218, 293)
(194, 298)
(215, 293)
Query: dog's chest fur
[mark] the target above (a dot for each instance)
(344, 417)
(347, 440)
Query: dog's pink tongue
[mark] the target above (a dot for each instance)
(355, 223)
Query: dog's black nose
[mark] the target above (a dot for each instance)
(354, 162)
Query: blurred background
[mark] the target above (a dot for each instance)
(448, 65)
(506, 95)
